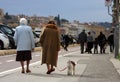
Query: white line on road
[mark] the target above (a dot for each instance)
(37, 55)
(10, 60)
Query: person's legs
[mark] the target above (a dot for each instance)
(86, 48)
(89, 47)
(22, 65)
(104, 47)
(82, 47)
(101, 49)
(28, 62)
(97, 50)
(111, 48)
(65, 47)
(62, 44)
(50, 69)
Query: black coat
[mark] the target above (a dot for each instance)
(82, 37)
(101, 39)
(111, 39)
(66, 38)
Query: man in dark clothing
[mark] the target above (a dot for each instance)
(66, 41)
(111, 41)
(82, 40)
(102, 42)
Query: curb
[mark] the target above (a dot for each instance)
(13, 51)
(116, 64)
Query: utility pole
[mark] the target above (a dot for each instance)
(115, 22)
(116, 25)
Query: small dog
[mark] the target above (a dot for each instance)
(71, 67)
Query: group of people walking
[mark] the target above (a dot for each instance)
(50, 43)
(87, 42)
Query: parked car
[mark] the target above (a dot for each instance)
(10, 33)
(4, 41)
(36, 38)
(38, 31)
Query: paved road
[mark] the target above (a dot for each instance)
(8, 62)
(89, 68)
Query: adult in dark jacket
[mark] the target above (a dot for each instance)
(66, 41)
(82, 40)
(102, 42)
(111, 41)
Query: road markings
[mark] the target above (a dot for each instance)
(9, 71)
(10, 60)
(37, 55)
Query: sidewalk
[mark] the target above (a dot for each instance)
(89, 68)
(116, 64)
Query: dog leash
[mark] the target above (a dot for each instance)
(61, 69)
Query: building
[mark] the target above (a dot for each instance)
(1, 15)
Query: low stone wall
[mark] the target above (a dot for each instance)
(7, 52)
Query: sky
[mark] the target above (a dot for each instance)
(81, 10)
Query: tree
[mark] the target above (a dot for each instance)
(7, 16)
(57, 19)
(64, 20)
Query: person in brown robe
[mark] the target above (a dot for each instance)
(50, 42)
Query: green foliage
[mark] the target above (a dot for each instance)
(118, 57)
